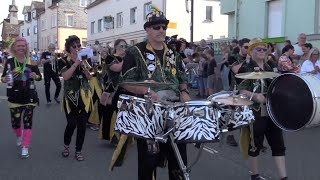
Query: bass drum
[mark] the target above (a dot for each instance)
(293, 101)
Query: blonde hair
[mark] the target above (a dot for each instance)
(311, 51)
(12, 46)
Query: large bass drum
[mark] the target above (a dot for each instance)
(293, 101)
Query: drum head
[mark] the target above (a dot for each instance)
(290, 102)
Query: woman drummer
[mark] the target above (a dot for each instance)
(113, 66)
(22, 95)
(77, 96)
(263, 125)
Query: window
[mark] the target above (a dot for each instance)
(22, 32)
(69, 22)
(133, 13)
(26, 17)
(83, 3)
(92, 27)
(147, 10)
(209, 13)
(35, 29)
(34, 14)
(119, 20)
(108, 22)
(28, 32)
(53, 21)
(274, 18)
(99, 25)
(43, 24)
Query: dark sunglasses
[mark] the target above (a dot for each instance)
(75, 46)
(158, 27)
(245, 47)
(123, 46)
(261, 49)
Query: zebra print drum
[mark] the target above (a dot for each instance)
(195, 122)
(138, 118)
(242, 115)
(293, 101)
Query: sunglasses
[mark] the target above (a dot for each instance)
(76, 46)
(123, 46)
(158, 27)
(261, 49)
(245, 47)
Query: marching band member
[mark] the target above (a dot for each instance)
(263, 125)
(50, 71)
(156, 61)
(113, 68)
(20, 72)
(77, 96)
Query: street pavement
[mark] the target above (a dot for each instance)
(217, 162)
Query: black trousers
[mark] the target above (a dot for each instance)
(75, 119)
(264, 126)
(147, 163)
(57, 82)
(107, 113)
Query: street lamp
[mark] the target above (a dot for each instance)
(192, 13)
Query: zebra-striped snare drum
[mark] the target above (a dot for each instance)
(138, 118)
(195, 122)
(242, 115)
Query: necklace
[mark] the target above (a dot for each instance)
(20, 69)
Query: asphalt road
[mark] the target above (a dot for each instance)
(218, 161)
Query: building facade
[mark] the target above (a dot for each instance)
(61, 19)
(10, 25)
(277, 19)
(109, 20)
(29, 29)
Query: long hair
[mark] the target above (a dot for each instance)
(19, 39)
(311, 51)
(116, 43)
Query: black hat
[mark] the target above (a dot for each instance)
(155, 17)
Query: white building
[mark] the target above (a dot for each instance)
(29, 29)
(109, 20)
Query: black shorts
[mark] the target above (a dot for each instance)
(264, 126)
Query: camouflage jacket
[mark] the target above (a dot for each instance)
(234, 59)
(113, 77)
(142, 63)
(249, 84)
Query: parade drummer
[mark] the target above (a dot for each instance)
(263, 125)
(77, 96)
(21, 91)
(154, 60)
(110, 96)
(50, 71)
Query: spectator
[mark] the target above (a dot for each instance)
(312, 64)
(302, 38)
(211, 72)
(285, 64)
(305, 49)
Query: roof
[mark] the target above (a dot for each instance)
(26, 9)
(13, 8)
(95, 3)
(38, 5)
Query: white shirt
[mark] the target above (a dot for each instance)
(307, 67)
(298, 50)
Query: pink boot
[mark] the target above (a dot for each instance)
(27, 134)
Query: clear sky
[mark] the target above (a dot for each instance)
(4, 9)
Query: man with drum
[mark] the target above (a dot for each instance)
(155, 60)
(263, 125)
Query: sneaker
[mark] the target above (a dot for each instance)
(255, 177)
(19, 141)
(231, 141)
(57, 100)
(48, 102)
(24, 152)
(94, 127)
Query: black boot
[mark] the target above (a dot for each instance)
(255, 177)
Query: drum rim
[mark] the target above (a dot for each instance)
(215, 94)
(201, 103)
(269, 106)
(157, 103)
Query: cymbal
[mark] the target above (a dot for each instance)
(233, 101)
(257, 75)
(147, 83)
